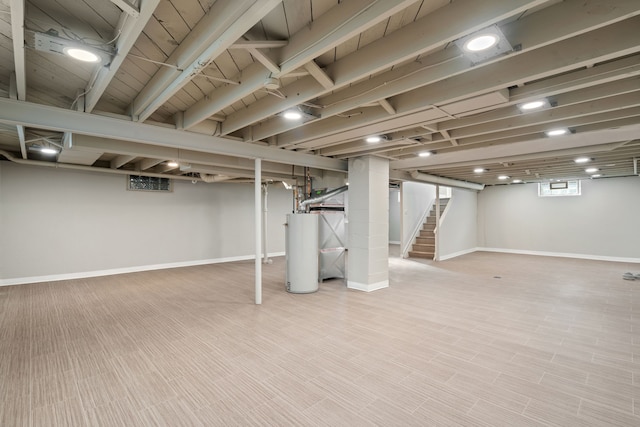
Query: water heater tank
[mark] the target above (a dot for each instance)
(302, 253)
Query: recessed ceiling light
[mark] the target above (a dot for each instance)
(481, 42)
(172, 164)
(557, 132)
(533, 105)
(591, 170)
(48, 150)
(424, 154)
(517, 181)
(582, 160)
(597, 175)
(81, 54)
(373, 139)
(503, 177)
(292, 115)
(478, 170)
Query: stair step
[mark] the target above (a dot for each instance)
(414, 254)
(426, 239)
(427, 228)
(423, 247)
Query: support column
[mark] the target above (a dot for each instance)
(368, 258)
(258, 228)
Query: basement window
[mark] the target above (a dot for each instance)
(148, 183)
(559, 188)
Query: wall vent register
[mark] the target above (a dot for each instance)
(148, 183)
(559, 188)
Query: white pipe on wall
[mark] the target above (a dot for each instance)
(258, 227)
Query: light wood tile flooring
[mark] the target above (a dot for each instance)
(482, 340)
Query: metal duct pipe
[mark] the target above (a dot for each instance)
(448, 182)
(325, 196)
(213, 178)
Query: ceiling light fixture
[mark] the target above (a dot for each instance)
(292, 115)
(48, 150)
(479, 170)
(534, 105)
(516, 181)
(484, 44)
(81, 54)
(51, 42)
(557, 132)
(481, 42)
(373, 139)
(503, 177)
(591, 170)
(597, 175)
(172, 164)
(424, 153)
(582, 160)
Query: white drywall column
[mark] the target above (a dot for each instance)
(368, 223)
(258, 228)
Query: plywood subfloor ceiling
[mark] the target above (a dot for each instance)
(205, 84)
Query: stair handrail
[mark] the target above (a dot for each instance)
(416, 230)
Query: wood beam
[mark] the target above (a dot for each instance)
(17, 35)
(118, 162)
(264, 59)
(387, 106)
(617, 40)
(225, 22)
(62, 120)
(258, 44)
(13, 94)
(128, 7)
(450, 62)
(148, 163)
(318, 74)
(329, 30)
(128, 30)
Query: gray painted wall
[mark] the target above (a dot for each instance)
(60, 222)
(604, 221)
(458, 231)
(394, 215)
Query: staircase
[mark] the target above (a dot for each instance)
(425, 245)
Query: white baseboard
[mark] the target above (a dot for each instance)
(367, 287)
(561, 255)
(457, 254)
(135, 269)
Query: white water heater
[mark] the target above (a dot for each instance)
(302, 253)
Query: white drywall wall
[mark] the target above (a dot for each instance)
(458, 230)
(416, 199)
(603, 221)
(394, 215)
(55, 222)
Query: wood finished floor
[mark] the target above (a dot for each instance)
(482, 340)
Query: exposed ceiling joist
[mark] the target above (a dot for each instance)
(345, 20)
(119, 161)
(530, 146)
(17, 35)
(430, 32)
(129, 150)
(13, 94)
(57, 119)
(127, 32)
(128, 7)
(318, 74)
(145, 164)
(450, 62)
(264, 59)
(224, 23)
(601, 45)
(328, 31)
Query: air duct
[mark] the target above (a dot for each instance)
(325, 196)
(448, 182)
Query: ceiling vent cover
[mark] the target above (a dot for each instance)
(148, 183)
